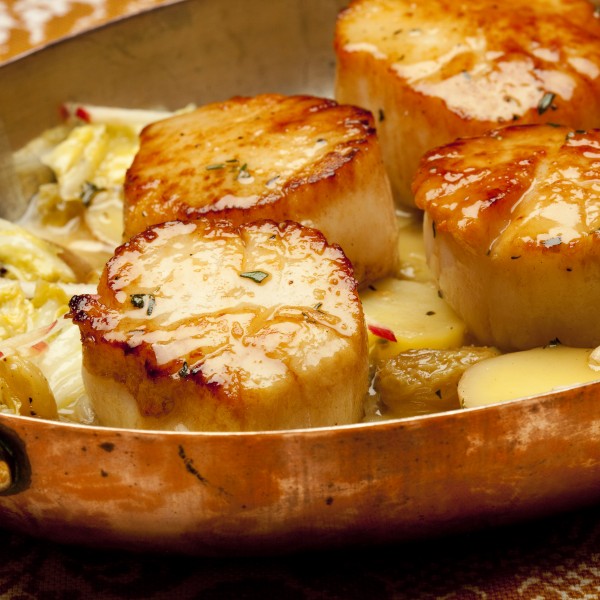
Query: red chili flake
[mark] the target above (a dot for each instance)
(83, 114)
(40, 346)
(382, 332)
(64, 112)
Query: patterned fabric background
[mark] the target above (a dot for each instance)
(29, 23)
(552, 559)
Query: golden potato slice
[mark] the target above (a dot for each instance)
(403, 315)
(526, 373)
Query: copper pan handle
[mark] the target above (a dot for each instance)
(15, 470)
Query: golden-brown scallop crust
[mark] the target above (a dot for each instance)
(512, 229)
(296, 158)
(209, 326)
(437, 70)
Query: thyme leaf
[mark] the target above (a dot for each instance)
(256, 276)
(88, 192)
(545, 102)
(139, 301)
(243, 172)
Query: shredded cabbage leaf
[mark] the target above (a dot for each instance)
(49, 348)
(26, 257)
(75, 173)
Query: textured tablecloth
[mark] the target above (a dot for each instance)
(550, 559)
(556, 558)
(26, 24)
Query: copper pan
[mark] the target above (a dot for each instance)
(211, 493)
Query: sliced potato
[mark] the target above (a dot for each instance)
(402, 315)
(526, 373)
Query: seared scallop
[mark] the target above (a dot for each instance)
(295, 158)
(435, 70)
(207, 326)
(512, 232)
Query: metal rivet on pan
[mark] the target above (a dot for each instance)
(15, 468)
(6, 478)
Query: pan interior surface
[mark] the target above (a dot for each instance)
(189, 52)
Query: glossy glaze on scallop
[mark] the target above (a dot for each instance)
(512, 229)
(435, 70)
(207, 326)
(296, 158)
